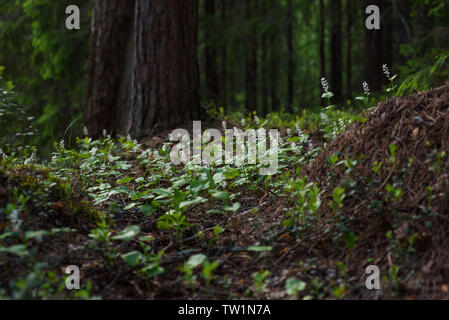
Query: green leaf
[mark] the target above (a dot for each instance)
(196, 260)
(231, 173)
(18, 249)
(132, 258)
(259, 248)
(130, 206)
(222, 195)
(36, 234)
(180, 183)
(146, 209)
(5, 235)
(218, 230)
(186, 204)
(233, 208)
(327, 95)
(153, 270)
(125, 180)
(128, 233)
(293, 286)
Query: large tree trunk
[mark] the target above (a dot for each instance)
(165, 80)
(210, 53)
(251, 57)
(336, 51)
(111, 30)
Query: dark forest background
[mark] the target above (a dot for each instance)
(265, 55)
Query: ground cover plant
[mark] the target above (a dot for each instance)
(92, 100)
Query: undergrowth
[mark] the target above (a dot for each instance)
(139, 226)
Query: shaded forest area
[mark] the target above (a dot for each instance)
(87, 176)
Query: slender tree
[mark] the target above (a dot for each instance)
(110, 32)
(210, 52)
(264, 60)
(374, 51)
(322, 41)
(274, 63)
(224, 55)
(349, 23)
(251, 57)
(290, 64)
(336, 47)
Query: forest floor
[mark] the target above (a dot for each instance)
(139, 227)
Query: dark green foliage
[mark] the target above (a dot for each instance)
(46, 61)
(17, 127)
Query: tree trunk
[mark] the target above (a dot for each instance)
(290, 64)
(349, 23)
(224, 59)
(251, 59)
(274, 65)
(374, 52)
(336, 51)
(110, 33)
(322, 48)
(165, 79)
(264, 61)
(210, 53)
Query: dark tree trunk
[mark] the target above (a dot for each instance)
(274, 66)
(322, 48)
(374, 52)
(251, 58)
(349, 23)
(210, 53)
(389, 33)
(224, 58)
(274, 72)
(110, 33)
(264, 69)
(290, 64)
(165, 79)
(336, 50)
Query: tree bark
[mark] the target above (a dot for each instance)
(110, 33)
(349, 23)
(224, 58)
(336, 51)
(165, 79)
(290, 63)
(274, 65)
(374, 52)
(322, 47)
(264, 61)
(251, 58)
(210, 53)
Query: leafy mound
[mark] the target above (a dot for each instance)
(385, 183)
(40, 218)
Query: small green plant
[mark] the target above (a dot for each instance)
(377, 165)
(261, 280)
(393, 86)
(327, 94)
(294, 286)
(338, 196)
